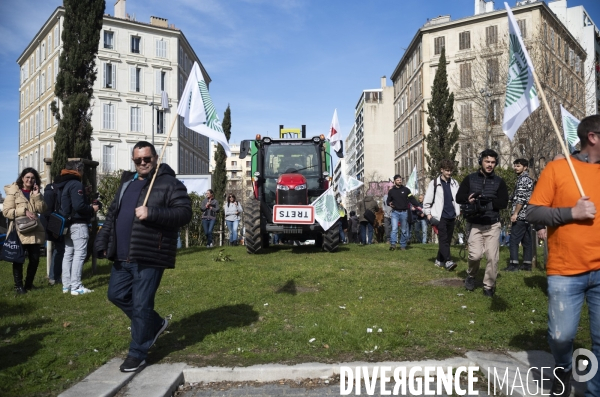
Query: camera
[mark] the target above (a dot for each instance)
(97, 200)
(476, 208)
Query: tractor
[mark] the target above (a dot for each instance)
(288, 174)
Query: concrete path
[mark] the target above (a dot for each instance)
(513, 374)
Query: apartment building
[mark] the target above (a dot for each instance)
(579, 23)
(476, 51)
(136, 62)
(370, 157)
(239, 178)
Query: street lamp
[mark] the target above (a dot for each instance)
(486, 95)
(152, 104)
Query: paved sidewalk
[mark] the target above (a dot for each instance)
(516, 373)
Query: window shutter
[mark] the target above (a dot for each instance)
(141, 79)
(113, 71)
(104, 84)
(132, 79)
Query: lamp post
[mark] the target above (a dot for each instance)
(152, 117)
(486, 95)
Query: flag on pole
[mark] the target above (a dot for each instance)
(197, 109)
(521, 95)
(335, 135)
(570, 124)
(164, 100)
(346, 185)
(412, 181)
(326, 209)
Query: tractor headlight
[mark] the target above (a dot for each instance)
(300, 187)
(282, 187)
(257, 174)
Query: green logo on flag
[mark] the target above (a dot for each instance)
(518, 74)
(570, 127)
(212, 120)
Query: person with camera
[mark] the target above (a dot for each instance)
(573, 266)
(520, 231)
(482, 195)
(441, 209)
(399, 199)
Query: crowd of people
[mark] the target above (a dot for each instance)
(140, 238)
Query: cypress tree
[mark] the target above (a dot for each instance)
(219, 179)
(75, 81)
(441, 142)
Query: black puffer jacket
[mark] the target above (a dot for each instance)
(154, 240)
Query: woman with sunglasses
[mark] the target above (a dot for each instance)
(233, 211)
(23, 198)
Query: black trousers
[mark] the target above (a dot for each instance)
(33, 253)
(445, 232)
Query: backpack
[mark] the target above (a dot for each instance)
(56, 223)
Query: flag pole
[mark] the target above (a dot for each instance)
(560, 139)
(160, 159)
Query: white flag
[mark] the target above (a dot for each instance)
(521, 95)
(164, 100)
(198, 111)
(570, 124)
(352, 184)
(335, 135)
(412, 181)
(326, 209)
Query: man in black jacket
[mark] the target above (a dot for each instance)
(399, 197)
(487, 191)
(142, 242)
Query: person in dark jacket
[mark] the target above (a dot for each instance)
(399, 198)
(141, 239)
(366, 226)
(488, 191)
(353, 227)
(210, 207)
(75, 207)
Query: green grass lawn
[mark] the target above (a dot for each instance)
(268, 308)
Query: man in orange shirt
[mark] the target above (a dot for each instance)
(574, 257)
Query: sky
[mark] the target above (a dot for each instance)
(289, 62)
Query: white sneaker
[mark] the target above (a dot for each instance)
(81, 290)
(438, 263)
(66, 290)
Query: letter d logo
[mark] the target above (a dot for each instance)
(589, 362)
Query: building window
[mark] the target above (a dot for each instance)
(135, 44)
(234, 174)
(56, 37)
(248, 174)
(160, 122)
(108, 116)
(110, 74)
(467, 155)
(234, 163)
(108, 159)
(55, 68)
(494, 112)
(523, 27)
(438, 43)
(161, 48)
(491, 35)
(136, 79)
(465, 75)
(464, 40)
(466, 118)
(247, 163)
(136, 120)
(109, 39)
(492, 71)
(560, 77)
(161, 81)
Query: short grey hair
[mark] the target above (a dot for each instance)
(75, 165)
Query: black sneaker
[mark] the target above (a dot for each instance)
(470, 283)
(525, 267)
(511, 268)
(392, 247)
(488, 292)
(561, 383)
(162, 328)
(132, 364)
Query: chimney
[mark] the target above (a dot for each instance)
(479, 7)
(120, 9)
(158, 21)
(489, 6)
(383, 82)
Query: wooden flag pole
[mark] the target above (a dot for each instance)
(160, 159)
(560, 139)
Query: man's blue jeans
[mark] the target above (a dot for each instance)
(565, 299)
(208, 225)
(402, 217)
(421, 229)
(342, 235)
(520, 233)
(366, 230)
(132, 289)
(233, 230)
(58, 253)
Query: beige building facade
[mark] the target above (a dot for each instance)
(476, 51)
(135, 63)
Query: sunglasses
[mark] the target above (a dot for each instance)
(139, 160)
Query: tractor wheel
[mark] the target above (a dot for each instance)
(253, 238)
(331, 238)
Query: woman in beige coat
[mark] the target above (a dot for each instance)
(23, 198)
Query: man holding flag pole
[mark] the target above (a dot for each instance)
(558, 201)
